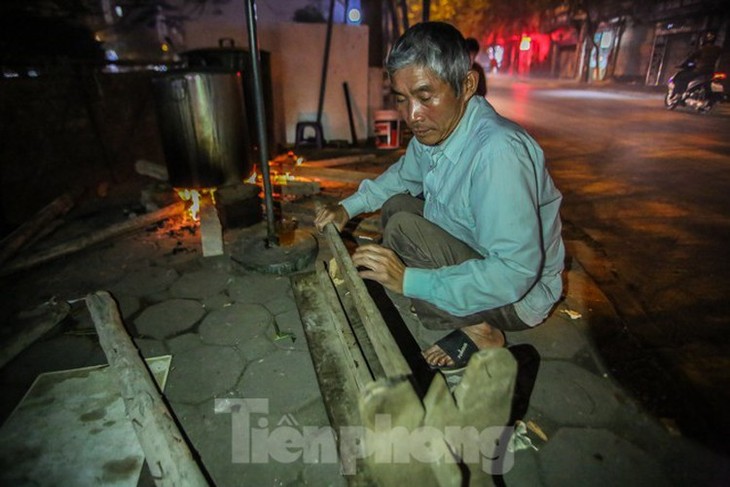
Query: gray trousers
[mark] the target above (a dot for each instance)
(425, 245)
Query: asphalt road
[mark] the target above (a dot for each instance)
(647, 211)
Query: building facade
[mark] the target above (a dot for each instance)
(678, 25)
(621, 40)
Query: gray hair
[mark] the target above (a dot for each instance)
(437, 46)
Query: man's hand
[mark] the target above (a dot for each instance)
(331, 214)
(381, 264)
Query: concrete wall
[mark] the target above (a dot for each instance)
(297, 52)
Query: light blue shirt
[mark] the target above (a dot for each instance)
(487, 185)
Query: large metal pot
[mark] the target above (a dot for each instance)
(228, 57)
(201, 115)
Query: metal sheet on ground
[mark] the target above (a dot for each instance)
(71, 428)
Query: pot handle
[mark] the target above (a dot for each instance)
(226, 42)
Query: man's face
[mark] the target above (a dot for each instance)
(428, 104)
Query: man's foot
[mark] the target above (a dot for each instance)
(455, 349)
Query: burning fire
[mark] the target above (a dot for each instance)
(192, 198)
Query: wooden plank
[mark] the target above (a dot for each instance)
(360, 368)
(431, 441)
(334, 348)
(298, 188)
(435, 440)
(338, 175)
(92, 238)
(422, 373)
(349, 309)
(402, 451)
(384, 345)
(341, 371)
(211, 230)
(339, 161)
(166, 452)
(483, 399)
(42, 220)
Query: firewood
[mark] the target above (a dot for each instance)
(329, 174)
(168, 457)
(340, 161)
(151, 169)
(33, 325)
(299, 188)
(211, 231)
(384, 345)
(11, 244)
(92, 238)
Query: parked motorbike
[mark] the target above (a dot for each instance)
(703, 91)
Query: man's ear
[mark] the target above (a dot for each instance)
(470, 84)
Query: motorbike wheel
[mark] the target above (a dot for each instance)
(705, 104)
(706, 108)
(671, 99)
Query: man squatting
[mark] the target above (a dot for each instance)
(471, 229)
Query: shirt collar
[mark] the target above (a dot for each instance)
(453, 146)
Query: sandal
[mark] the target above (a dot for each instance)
(459, 348)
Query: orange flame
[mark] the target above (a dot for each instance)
(192, 198)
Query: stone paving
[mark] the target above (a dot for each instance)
(217, 320)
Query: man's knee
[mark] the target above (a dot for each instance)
(399, 230)
(399, 203)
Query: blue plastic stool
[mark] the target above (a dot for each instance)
(317, 140)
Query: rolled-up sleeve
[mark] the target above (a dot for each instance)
(403, 176)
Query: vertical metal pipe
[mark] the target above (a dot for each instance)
(271, 239)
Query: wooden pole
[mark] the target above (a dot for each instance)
(40, 221)
(92, 238)
(339, 161)
(167, 454)
(329, 174)
(34, 325)
(384, 345)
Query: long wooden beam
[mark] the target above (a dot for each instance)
(386, 349)
(329, 174)
(92, 238)
(11, 244)
(339, 161)
(34, 324)
(167, 454)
